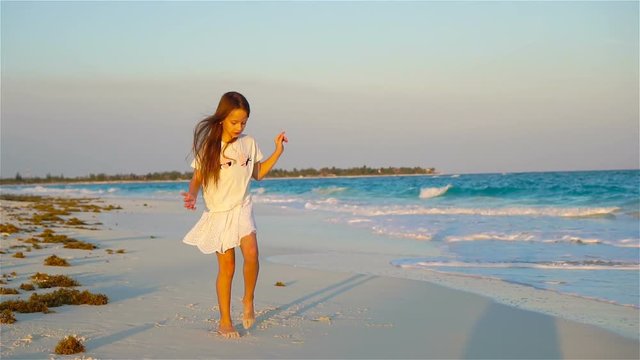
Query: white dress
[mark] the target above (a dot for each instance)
(229, 217)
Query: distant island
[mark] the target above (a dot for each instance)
(178, 176)
(355, 171)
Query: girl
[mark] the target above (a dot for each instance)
(225, 161)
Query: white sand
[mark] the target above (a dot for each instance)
(343, 303)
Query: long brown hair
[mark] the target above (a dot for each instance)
(207, 136)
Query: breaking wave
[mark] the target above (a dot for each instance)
(53, 191)
(431, 192)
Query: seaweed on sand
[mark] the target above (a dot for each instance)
(6, 317)
(45, 281)
(60, 297)
(69, 345)
(54, 260)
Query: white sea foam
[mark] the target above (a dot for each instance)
(329, 190)
(628, 243)
(632, 243)
(595, 265)
(555, 282)
(420, 210)
(329, 201)
(528, 237)
(41, 190)
(579, 240)
(522, 236)
(258, 191)
(358, 221)
(419, 233)
(275, 199)
(415, 234)
(431, 192)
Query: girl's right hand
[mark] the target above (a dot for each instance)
(280, 140)
(189, 200)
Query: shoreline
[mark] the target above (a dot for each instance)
(361, 308)
(623, 319)
(319, 177)
(606, 315)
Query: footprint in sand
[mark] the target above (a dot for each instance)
(381, 325)
(323, 319)
(24, 341)
(161, 323)
(295, 339)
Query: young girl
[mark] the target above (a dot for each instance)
(225, 161)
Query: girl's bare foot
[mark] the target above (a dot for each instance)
(228, 331)
(249, 316)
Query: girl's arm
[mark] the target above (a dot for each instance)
(261, 169)
(194, 188)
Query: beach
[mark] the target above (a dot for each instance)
(341, 299)
(428, 179)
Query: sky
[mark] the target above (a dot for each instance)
(465, 87)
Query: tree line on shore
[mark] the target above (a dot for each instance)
(177, 175)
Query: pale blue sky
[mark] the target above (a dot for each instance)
(91, 87)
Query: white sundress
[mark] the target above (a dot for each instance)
(219, 230)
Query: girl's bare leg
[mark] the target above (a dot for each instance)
(249, 247)
(226, 269)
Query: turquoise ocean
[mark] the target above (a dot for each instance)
(570, 232)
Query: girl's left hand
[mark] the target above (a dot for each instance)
(280, 140)
(189, 200)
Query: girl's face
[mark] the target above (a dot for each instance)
(233, 125)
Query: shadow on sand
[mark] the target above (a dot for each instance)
(503, 332)
(96, 343)
(318, 297)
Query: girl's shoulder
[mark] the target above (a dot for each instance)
(247, 139)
